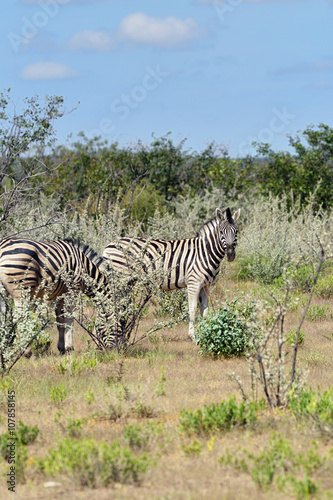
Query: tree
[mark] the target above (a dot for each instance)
(20, 132)
(308, 169)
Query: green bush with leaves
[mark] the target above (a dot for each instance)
(278, 240)
(315, 407)
(24, 436)
(278, 465)
(324, 288)
(142, 436)
(42, 344)
(223, 332)
(299, 172)
(58, 393)
(318, 312)
(219, 417)
(291, 337)
(303, 278)
(93, 464)
(172, 303)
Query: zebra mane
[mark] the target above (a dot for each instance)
(87, 250)
(201, 231)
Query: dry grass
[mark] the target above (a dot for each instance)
(134, 381)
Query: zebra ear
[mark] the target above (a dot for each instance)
(225, 215)
(219, 214)
(236, 215)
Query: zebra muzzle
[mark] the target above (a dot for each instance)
(231, 254)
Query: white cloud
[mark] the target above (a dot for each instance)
(47, 70)
(169, 32)
(91, 40)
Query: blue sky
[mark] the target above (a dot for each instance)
(229, 71)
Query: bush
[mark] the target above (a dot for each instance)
(222, 333)
(58, 394)
(303, 278)
(278, 464)
(42, 344)
(219, 417)
(172, 303)
(318, 313)
(324, 287)
(291, 337)
(266, 269)
(315, 407)
(142, 437)
(24, 435)
(277, 237)
(93, 463)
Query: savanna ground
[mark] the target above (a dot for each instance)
(83, 395)
(125, 419)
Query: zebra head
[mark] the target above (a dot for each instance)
(228, 231)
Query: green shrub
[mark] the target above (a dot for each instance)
(142, 202)
(266, 462)
(242, 266)
(278, 463)
(93, 464)
(222, 333)
(291, 337)
(303, 278)
(41, 345)
(318, 313)
(266, 269)
(141, 437)
(219, 417)
(75, 365)
(315, 407)
(58, 394)
(25, 434)
(72, 427)
(193, 449)
(172, 303)
(324, 287)
(301, 489)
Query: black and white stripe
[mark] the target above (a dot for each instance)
(48, 270)
(193, 263)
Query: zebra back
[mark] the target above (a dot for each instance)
(199, 257)
(30, 264)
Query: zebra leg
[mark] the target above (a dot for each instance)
(203, 300)
(193, 296)
(17, 306)
(65, 328)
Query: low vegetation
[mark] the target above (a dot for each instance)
(244, 412)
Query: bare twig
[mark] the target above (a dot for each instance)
(320, 263)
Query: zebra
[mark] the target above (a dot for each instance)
(193, 263)
(44, 269)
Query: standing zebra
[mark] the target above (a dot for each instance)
(193, 263)
(45, 269)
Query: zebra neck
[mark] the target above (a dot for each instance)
(211, 241)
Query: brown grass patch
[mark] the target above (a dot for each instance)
(132, 382)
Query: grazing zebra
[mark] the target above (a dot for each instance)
(44, 270)
(193, 263)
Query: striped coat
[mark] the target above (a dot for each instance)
(193, 263)
(45, 268)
